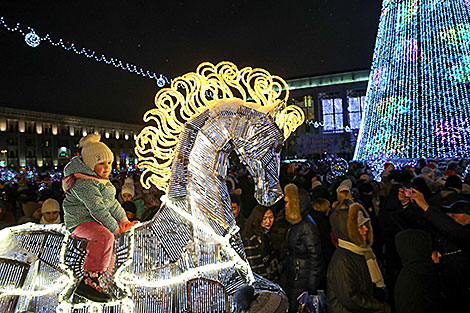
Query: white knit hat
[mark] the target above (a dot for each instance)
(94, 151)
(128, 188)
(50, 205)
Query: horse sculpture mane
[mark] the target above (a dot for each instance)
(189, 257)
(192, 93)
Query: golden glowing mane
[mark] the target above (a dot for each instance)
(194, 92)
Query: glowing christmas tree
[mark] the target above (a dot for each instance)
(418, 98)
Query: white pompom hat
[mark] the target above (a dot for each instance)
(94, 151)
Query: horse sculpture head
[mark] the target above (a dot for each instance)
(192, 94)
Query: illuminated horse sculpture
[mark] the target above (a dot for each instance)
(189, 257)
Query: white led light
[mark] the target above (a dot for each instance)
(33, 40)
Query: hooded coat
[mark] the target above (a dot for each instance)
(28, 209)
(350, 286)
(417, 285)
(89, 200)
(304, 258)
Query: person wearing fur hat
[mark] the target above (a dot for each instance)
(92, 212)
(304, 257)
(50, 212)
(354, 279)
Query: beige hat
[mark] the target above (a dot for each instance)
(94, 151)
(342, 188)
(128, 188)
(50, 205)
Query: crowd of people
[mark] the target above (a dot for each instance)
(398, 245)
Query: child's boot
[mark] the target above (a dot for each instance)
(91, 288)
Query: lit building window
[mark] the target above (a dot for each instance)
(355, 110)
(39, 128)
(332, 110)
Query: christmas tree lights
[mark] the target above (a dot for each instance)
(418, 101)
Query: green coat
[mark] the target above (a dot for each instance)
(90, 200)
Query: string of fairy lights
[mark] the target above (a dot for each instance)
(33, 40)
(418, 101)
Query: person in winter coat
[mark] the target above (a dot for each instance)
(92, 212)
(240, 220)
(304, 257)
(32, 213)
(128, 193)
(320, 214)
(452, 192)
(417, 286)
(355, 281)
(453, 224)
(258, 245)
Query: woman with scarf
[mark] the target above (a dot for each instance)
(354, 279)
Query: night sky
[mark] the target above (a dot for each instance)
(288, 38)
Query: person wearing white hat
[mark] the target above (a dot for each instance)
(92, 212)
(50, 212)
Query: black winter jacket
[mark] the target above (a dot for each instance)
(454, 245)
(417, 285)
(304, 260)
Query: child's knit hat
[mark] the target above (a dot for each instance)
(128, 187)
(50, 205)
(94, 151)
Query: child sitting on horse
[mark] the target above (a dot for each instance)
(92, 212)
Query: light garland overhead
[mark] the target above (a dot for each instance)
(33, 40)
(418, 98)
(194, 92)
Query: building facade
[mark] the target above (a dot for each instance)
(47, 141)
(333, 106)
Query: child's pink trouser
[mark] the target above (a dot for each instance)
(99, 248)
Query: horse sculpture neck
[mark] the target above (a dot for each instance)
(200, 164)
